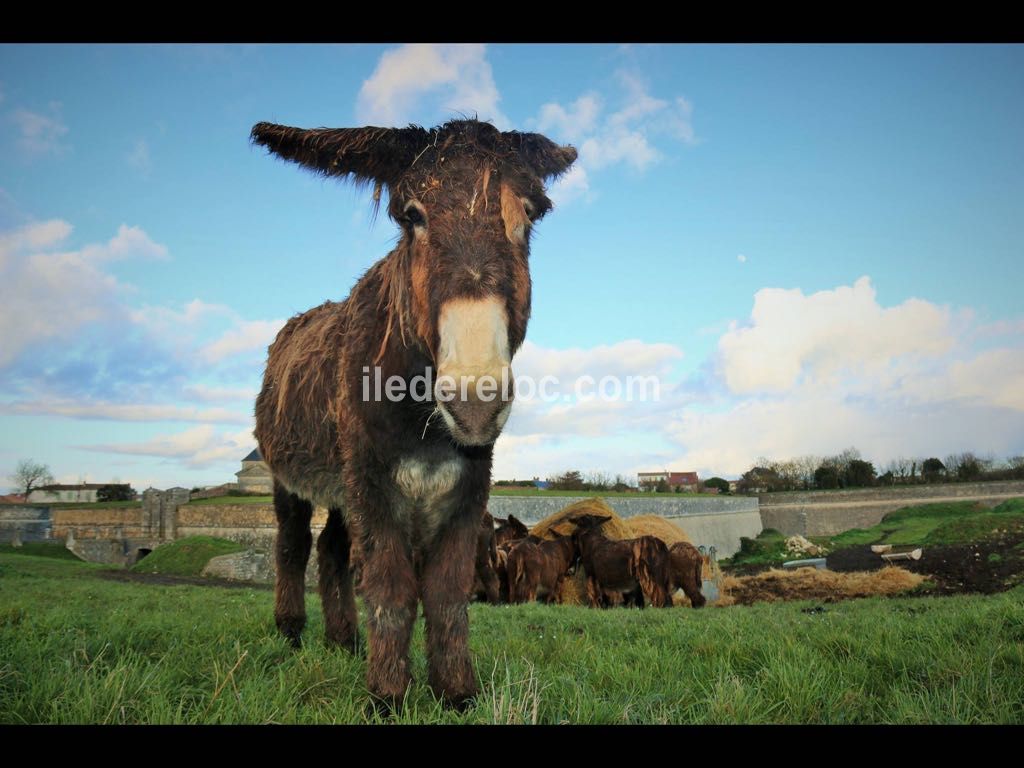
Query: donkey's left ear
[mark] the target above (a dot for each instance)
(544, 156)
(369, 154)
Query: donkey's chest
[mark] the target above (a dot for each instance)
(427, 490)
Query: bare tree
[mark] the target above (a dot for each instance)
(30, 474)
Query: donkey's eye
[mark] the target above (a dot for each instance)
(414, 215)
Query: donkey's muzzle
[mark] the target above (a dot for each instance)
(479, 407)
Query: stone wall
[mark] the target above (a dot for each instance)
(254, 525)
(30, 523)
(827, 513)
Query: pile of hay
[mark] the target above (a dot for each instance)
(813, 584)
(560, 524)
(659, 527)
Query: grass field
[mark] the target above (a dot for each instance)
(78, 648)
(185, 557)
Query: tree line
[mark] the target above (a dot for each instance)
(849, 469)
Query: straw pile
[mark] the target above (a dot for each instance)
(659, 527)
(812, 584)
(559, 524)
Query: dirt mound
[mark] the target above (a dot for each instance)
(986, 566)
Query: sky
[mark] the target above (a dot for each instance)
(811, 247)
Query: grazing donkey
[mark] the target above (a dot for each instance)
(404, 491)
(537, 568)
(687, 566)
(486, 585)
(636, 568)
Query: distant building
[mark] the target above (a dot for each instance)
(687, 481)
(84, 493)
(254, 477)
(13, 498)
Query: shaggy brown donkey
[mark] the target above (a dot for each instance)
(636, 568)
(537, 568)
(687, 564)
(509, 530)
(440, 317)
(485, 582)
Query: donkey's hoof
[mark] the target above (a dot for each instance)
(291, 629)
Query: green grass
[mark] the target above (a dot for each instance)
(40, 549)
(235, 500)
(111, 652)
(87, 505)
(185, 557)
(944, 523)
(768, 548)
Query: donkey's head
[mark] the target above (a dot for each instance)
(458, 285)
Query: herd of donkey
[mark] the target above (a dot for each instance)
(515, 566)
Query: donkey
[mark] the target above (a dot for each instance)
(687, 566)
(537, 568)
(509, 530)
(404, 492)
(636, 568)
(486, 584)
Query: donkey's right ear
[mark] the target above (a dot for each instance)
(369, 154)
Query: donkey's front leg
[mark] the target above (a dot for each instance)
(389, 590)
(446, 583)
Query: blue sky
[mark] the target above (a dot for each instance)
(813, 247)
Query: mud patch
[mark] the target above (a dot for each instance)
(987, 566)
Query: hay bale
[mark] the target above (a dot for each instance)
(659, 527)
(812, 584)
(560, 523)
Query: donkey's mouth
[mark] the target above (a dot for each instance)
(472, 425)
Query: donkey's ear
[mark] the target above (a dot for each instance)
(542, 154)
(368, 154)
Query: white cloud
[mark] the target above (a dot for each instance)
(108, 411)
(741, 258)
(198, 447)
(573, 123)
(207, 394)
(456, 77)
(815, 374)
(248, 336)
(620, 137)
(818, 337)
(47, 293)
(139, 157)
(40, 134)
(572, 184)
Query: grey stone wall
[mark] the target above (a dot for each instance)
(31, 523)
(827, 513)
